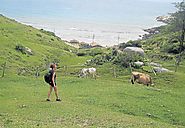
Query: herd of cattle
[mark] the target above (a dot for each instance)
(138, 77)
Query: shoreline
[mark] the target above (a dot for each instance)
(106, 35)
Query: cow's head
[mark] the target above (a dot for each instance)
(136, 76)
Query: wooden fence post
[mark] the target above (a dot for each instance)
(130, 67)
(114, 69)
(65, 70)
(4, 66)
(37, 72)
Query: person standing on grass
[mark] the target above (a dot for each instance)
(52, 83)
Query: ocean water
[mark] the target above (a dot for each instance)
(110, 21)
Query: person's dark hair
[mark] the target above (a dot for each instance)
(52, 66)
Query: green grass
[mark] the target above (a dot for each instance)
(90, 103)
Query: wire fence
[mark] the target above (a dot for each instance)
(66, 70)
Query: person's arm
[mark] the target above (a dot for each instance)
(53, 79)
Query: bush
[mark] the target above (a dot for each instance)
(48, 32)
(89, 52)
(21, 49)
(172, 46)
(39, 35)
(125, 59)
(174, 49)
(161, 56)
(81, 54)
(100, 59)
(95, 52)
(130, 44)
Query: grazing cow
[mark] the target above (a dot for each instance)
(141, 78)
(85, 72)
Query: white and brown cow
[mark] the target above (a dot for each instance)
(141, 78)
(85, 72)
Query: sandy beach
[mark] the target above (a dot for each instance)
(104, 34)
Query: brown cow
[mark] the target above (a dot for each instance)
(141, 78)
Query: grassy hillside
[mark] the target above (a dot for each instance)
(106, 102)
(45, 46)
(164, 44)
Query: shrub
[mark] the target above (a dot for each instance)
(91, 52)
(20, 48)
(100, 59)
(48, 32)
(161, 56)
(172, 46)
(95, 52)
(130, 44)
(175, 49)
(81, 54)
(23, 50)
(125, 59)
(39, 35)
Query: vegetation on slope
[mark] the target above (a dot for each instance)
(110, 101)
(45, 47)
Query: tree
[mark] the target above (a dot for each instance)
(177, 23)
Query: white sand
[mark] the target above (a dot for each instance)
(104, 34)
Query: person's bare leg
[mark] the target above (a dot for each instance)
(49, 92)
(56, 92)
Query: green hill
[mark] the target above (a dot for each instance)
(45, 47)
(110, 101)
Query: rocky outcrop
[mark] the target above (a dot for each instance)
(164, 19)
(139, 63)
(137, 50)
(155, 64)
(95, 45)
(160, 69)
(29, 51)
(82, 45)
(74, 42)
(150, 32)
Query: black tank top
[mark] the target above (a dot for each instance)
(52, 72)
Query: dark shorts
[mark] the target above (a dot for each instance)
(51, 83)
